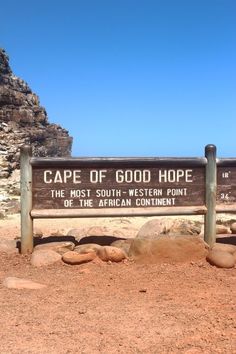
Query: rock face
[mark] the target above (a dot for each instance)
(23, 121)
(168, 249)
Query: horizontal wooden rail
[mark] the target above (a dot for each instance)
(117, 161)
(229, 162)
(83, 213)
(224, 208)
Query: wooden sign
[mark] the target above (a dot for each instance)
(81, 187)
(114, 185)
(226, 185)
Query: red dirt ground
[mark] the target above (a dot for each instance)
(127, 308)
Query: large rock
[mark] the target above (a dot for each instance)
(77, 233)
(220, 259)
(19, 283)
(59, 247)
(110, 253)
(40, 258)
(168, 249)
(72, 257)
(164, 226)
(24, 121)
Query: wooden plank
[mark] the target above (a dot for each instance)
(112, 187)
(228, 162)
(226, 208)
(116, 161)
(75, 213)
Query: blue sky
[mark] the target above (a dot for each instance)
(130, 78)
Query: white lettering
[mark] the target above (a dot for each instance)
(80, 193)
(130, 176)
(55, 193)
(68, 203)
(65, 176)
(97, 176)
(173, 176)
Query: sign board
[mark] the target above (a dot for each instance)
(91, 187)
(114, 185)
(226, 184)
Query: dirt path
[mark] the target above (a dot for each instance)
(117, 308)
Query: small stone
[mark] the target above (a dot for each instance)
(222, 229)
(19, 283)
(77, 233)
(44, 257)
(72, 257)
(87, 248)
(220, 259)
(110, 253)
(97, 231)
(233, 228)
(144, 290)
(123, 244)
(38, 232)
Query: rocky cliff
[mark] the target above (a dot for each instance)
(23, 121)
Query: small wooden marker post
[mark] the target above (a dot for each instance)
(26, 200)
(210, 217)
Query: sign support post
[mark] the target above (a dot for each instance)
(26, 200)
(210, 217)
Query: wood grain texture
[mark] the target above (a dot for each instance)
(111, 194)
(226, 184)
(75, 213)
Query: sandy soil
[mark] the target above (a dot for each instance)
(115, 308)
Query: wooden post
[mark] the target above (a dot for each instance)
(210, 217)
(26, 200)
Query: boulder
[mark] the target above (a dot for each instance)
(77, 233)
(98, 231)
(220, 259)
(44, 257)
(185, 227)
(110, 253)
(87, 248)
(72, 257)
(123, 244)
(157, 227)
(224, 247)
(154, 228)
(59, 247)
(168, 249)
(19, 283)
